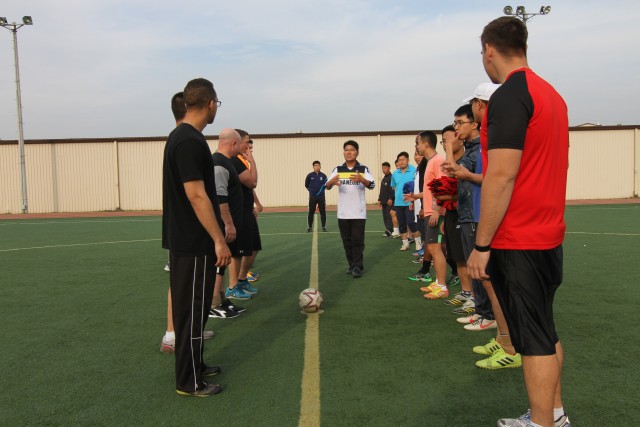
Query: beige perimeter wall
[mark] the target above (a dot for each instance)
(106, 175)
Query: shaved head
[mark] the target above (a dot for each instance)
(229, 142)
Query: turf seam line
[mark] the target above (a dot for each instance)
(79, 244)
(310, 393)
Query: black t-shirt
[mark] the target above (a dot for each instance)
(187, 157)
(228, 187)
(247, 193)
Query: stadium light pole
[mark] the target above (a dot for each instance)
(13, 27)
(523, 14)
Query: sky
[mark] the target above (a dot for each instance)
(108, 68)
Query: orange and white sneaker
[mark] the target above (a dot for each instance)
(439, 292)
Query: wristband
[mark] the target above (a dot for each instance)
(483, 248)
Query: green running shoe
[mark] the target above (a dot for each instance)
(487, 349)
(499, 360)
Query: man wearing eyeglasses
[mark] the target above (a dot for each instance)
(519, 242)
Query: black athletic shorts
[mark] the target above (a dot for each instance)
(468, 236)
(525, 283)
(432, 234)
(244, 235)
(257, 243)
(452, 237)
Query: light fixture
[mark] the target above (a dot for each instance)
(547, 9)
(3, 21)
(26, 20)
(520, 10)
(508, 10)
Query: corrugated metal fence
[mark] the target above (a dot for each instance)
(126, 174)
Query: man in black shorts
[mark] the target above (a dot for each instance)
(192, 233)
(229, 194)
(519, 242)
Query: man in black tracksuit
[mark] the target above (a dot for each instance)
(385, 199)
(315, 184)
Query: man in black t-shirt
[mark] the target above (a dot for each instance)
(229, 193)
(192, 233)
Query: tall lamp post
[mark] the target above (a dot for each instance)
(523, 14)
(13, 27)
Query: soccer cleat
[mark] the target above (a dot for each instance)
(387, 233)
(166, 267)
(230, 306)
(469, 307)
(432, 287)
(404, 247)
(563, 421)
(421, 277)
(418, 260)
(395, 235)
(324, 229)
(206, 391)
(252, 277)
(236, 293)
(356, 273)
(207, 335)
(488, 349)
(499, 360)
(438, 293)
(309, 230)
(209, 371)
(246, 287)
(252, 274)
(453, 281)
(459, 299)
(481, 324)
(350, 270)
(468, 319)
(221, 312)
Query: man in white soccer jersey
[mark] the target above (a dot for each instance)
(352, 178)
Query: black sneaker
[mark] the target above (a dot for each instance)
(209, 371)
(221, 312)
(309, 230)
(231, 306)
(356, 273)
(387, 233)
(206, 391)
(324, 229)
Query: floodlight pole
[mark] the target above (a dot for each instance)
(523, 15)
(13, 27)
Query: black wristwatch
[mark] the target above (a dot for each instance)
(483, 248)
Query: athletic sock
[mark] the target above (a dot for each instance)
(170, 336)
(558, 412)
(418, 241)
(426, 266)
(396, 230)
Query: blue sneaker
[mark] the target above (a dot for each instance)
(246, 287)
(236, 293)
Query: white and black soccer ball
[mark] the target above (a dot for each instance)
(310, 300)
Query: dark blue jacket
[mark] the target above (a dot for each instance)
(314, 183)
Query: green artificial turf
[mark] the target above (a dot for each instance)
(83, 319)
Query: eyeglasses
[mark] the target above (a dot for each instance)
(218, 103)
(459, 123)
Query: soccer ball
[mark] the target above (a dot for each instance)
(310, 300)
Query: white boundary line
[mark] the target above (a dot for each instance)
(79, 244)
(310, 395)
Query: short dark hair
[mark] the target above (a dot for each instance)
(198, 93)
(430, 138)
(242, 133)
(352, 143)
(250, 142)
(508, 35)
(315, 162)
(465, 110)
(403, 154)
(178, 107)
(386, 164)
(448, 128)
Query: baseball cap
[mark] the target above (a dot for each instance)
(483, 91)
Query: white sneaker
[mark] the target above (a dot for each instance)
(395, 235)
(468, 319)
(481, 324)
(166, 267)
(404, 247)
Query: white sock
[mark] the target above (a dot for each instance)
(396, 230)
(534, 424)
(418, 241)
(170, 336)
(558, 412)
(405, 242)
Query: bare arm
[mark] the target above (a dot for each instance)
(497, 189)
(249, 177)
(204, 211)
(229, 228)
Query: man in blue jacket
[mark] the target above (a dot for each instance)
(315, 184)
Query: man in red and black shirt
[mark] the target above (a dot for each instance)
(521, 230)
